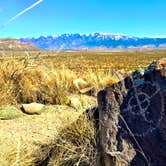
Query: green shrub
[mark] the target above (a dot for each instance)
(7, 113)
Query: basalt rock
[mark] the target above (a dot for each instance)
(132, 119)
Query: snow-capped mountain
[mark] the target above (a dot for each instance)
(94, 41)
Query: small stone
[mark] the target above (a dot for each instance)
(33, 108)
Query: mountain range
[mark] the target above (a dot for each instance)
(94, 41)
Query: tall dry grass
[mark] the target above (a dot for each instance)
(60, 137)
(74, 146)
(24, 81)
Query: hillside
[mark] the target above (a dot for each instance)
(14, 44)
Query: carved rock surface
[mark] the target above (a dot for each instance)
(132, 119)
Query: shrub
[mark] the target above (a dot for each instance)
(7, 113)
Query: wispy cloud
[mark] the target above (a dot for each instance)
(20, 13)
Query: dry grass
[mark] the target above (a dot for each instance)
(22, 137)
(49, 78)
(23, 80)
(26, 84)
(74, 146)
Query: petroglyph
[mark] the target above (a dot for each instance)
(139, 107)
(134, 110)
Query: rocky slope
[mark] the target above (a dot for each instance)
(24, 135)
(132, 116)
(14, 44)
(94, 41)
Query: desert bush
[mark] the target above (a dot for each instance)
(75, 145)
(24, 83)
(100, 79)
(9, 112)
(49, 78)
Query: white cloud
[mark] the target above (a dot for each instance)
(20, 13)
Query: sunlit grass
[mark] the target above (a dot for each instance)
(50, 78)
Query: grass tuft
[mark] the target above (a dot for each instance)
(75, 145)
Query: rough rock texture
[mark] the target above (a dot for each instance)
(132, 119)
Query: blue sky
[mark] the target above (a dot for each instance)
(131, 17)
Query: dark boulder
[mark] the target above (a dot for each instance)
(132, 119)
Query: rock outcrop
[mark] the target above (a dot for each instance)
(132, 119)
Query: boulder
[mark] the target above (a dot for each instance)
(32, 108)
(132, 119)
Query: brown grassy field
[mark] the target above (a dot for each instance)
(49, 78)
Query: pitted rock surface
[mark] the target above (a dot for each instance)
(134, 111)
